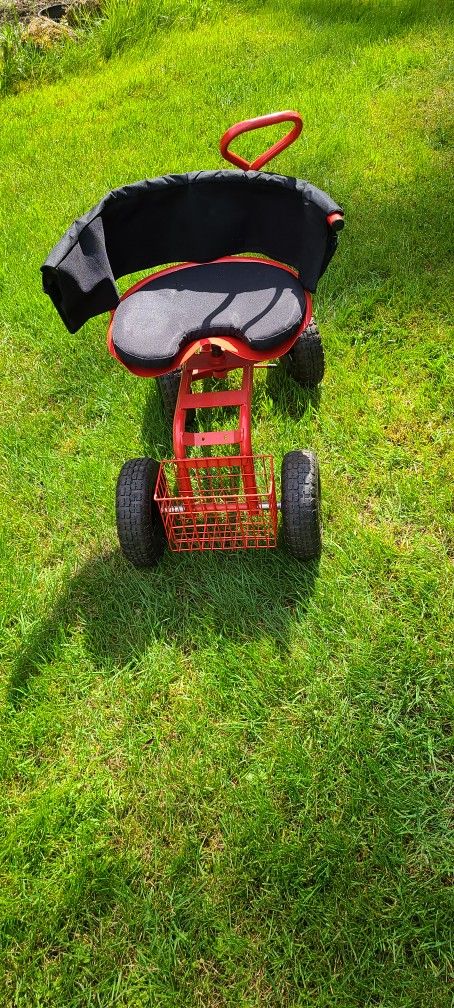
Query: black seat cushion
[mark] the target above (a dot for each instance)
(259, 303)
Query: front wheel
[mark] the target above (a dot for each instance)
(306, 361)
(139, 524)
(301, 504)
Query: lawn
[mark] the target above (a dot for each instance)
(226, 782)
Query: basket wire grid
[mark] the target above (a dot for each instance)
(218, 503)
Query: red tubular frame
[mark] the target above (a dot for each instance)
(212, 362)
(197, 519)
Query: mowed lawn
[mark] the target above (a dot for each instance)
(226, 782)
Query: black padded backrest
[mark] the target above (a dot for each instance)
(196, 217)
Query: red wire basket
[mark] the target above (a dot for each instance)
(218, 503)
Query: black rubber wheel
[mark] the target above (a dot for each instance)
(306, 361)
(169, 385)
(139, 524)
(301, 504)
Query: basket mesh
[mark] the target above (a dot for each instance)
(218, 503)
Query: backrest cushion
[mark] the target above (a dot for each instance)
(196, 217)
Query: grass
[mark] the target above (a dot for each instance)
(226, 783)
(92, 38)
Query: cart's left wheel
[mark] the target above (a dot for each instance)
(301, 504)
(139, 524)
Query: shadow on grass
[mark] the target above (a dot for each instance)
(373, 21)
(155, 423)
(288, 397)
(189, 600)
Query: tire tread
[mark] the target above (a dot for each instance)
(306, 360)
(139, 525)
(300, 491)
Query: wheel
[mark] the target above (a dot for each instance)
(139, 524)
(305, 361)
(169, 385)
(301, 504)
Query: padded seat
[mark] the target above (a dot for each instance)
(257, 302)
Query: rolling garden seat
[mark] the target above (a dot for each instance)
(250, 247)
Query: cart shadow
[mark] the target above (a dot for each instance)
(156, 429)
(189, 601)
(155, 425)
(290, 399)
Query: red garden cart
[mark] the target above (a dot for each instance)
(250, 248)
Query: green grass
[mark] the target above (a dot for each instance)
(225, 783)
(93, 38)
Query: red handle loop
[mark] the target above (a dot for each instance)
(253, 124)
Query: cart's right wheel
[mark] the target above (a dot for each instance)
(139, 524)
(305, 361)
(169, 385)
(301, 504)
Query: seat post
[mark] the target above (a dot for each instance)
(207, 364)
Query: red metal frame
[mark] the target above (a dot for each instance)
(214, 362)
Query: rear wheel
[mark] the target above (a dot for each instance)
(306, 361)
(301, 504)
(169, 385)
(139, 524)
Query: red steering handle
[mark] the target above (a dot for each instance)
(253, 124)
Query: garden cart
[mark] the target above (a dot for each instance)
(250, 247)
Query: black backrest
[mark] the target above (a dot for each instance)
(197, 217)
